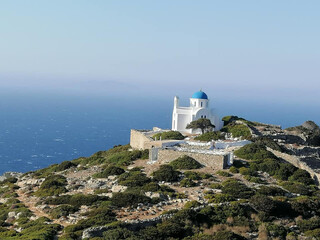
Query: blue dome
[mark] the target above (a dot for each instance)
(200, 95)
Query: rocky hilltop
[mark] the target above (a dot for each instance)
(269, 192)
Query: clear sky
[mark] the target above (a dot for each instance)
(265, 50)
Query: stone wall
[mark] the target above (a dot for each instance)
(209, 160)
(138, 139)
(294, 160)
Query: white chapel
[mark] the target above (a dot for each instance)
(199, 108)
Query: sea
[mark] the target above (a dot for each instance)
(37, 130)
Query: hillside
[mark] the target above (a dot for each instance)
(117, 194)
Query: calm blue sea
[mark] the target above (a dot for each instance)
(37, 130)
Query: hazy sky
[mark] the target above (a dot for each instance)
(268, 49)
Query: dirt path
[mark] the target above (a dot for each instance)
(30, 202)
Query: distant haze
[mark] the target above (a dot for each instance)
(234, 50)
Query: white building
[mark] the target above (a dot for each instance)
(199, 108)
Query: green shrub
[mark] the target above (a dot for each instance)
(237, 130)
(119, 156)
(277, 231)
(227, 235)
(196, 175)
(221, 198)
(223, 173)
(185, 162)
(309, 224)
(166, 173)
(126, 199)
(254, 151)
(253, 179)
(118, 234)
(271, 191)
(247, 171)
(192, 204)
(109, 171)
(230, 119)
(209, 136)
(236, 189)
(76, 200)
(64, 165)
(133, 179)
(63, 211)
(306, 206)
(263, 203)
(301, 176)
(233, 169)
(296, 187)
(313, 234)
(186, 182)
(270, 166)
(215, 186)
(52, 185)
(285, 171)
(192, 175)
(173, 135)
(96, 217)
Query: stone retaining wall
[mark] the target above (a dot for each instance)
(209, 160)
(294, 160)
(138, 139)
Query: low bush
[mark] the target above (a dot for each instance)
(215, 186)
(133, 179)
(185, 162)
(221, 198)
(253, 179)
(263, 203)
(52, 185)
(236, 189)
(237, 130)
(173, 135)
(233, 169)
(306, 206)
(63, 211)
(285, 171)
(96, 217)
(247, 171)
(223, 173)
(109, 171)
(192, 204)
(118, 156)
(301, 176)
(76, 200)
(209, 136)
(271, 191)
(197, 175)
(166, 173)
(309, 224)
(186, 182)
(126, 199)
(254, 151)
(64, 165)
(296, 187)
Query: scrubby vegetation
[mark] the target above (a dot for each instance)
(109, 171)
(166, 173)
(237, 130)
(260, 195)
(169, 135)
(118, 156)
(185, 162)
(52, 185)
(254, 151)
(209, 136)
